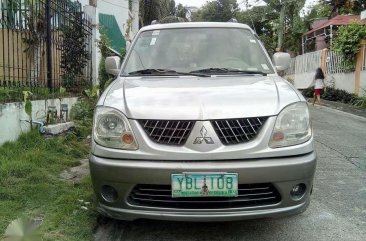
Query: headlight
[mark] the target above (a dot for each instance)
(292, 126)
(112, 129)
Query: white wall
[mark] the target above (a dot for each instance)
(12, 116)
(118, 8)
(303, 80)
(344, 81)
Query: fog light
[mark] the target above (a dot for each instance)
(298, 191)
(109, 193)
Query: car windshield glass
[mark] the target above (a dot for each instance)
(193, 49)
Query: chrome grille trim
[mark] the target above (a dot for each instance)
(169, 132)
(237, 131)
(249, 195)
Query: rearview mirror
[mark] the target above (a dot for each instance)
(281, 61)
(113, 65)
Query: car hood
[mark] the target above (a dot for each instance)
(199, 98)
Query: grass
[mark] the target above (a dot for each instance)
(14, 94)
(30, 185)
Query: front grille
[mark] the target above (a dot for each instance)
(236, 131)
(167, 131)
(249, 195)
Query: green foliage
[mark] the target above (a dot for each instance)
(332, 94)
(344, 7)
(28, 104)
(31, 186)
(172, 19)
(361, 100)
(217, 11)
(105, 51)
(82, 115)
(62, 91)
(74, 56)
(164, 11)
(92, 92)
(348, 42)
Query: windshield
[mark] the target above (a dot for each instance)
(193, 49)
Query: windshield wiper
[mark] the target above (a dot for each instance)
(164, 72)
(227, 71)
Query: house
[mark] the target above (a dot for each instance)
(322, 32)
(117, 19)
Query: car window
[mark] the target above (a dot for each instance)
(187, 50)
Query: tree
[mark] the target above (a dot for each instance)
(151, 10)
(217, 11)
(276, 31)
(161, 10)
(340, 7)
(347, 42)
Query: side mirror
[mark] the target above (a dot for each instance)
(281, 61)
(113, 65)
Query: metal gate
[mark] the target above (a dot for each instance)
(44, 44)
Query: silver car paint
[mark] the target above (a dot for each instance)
(123, 174)
(201, 99)
(219, 97)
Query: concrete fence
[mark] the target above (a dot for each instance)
(302, 70)
(13, 116)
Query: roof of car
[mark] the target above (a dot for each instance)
(196, 25)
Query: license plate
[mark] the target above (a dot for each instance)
(205, 185)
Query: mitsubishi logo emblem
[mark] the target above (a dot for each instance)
(203, 137)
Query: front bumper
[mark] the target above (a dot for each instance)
(124, 175)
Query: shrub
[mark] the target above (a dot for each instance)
(332, 94)
(82, 114)
(339, 95)
(348, 42)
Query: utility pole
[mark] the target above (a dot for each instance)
(49, 45)
(281, 26)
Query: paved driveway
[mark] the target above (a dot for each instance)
(337, 210)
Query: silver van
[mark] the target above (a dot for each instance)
(198, 126)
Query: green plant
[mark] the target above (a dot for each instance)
(332, 94)
(348, 42)
(343, 96)
(308, 93)
(28, 103)
(361, 100)
(31, 186)
(74, 56)
(103, 45)
(82, 115)
(92, 92)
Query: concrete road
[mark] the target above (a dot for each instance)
(337, 210)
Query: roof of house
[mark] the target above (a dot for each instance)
(337, 21)
(110, 28)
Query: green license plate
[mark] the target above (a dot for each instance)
(205, 185)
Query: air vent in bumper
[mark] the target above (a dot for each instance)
(250, 195)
